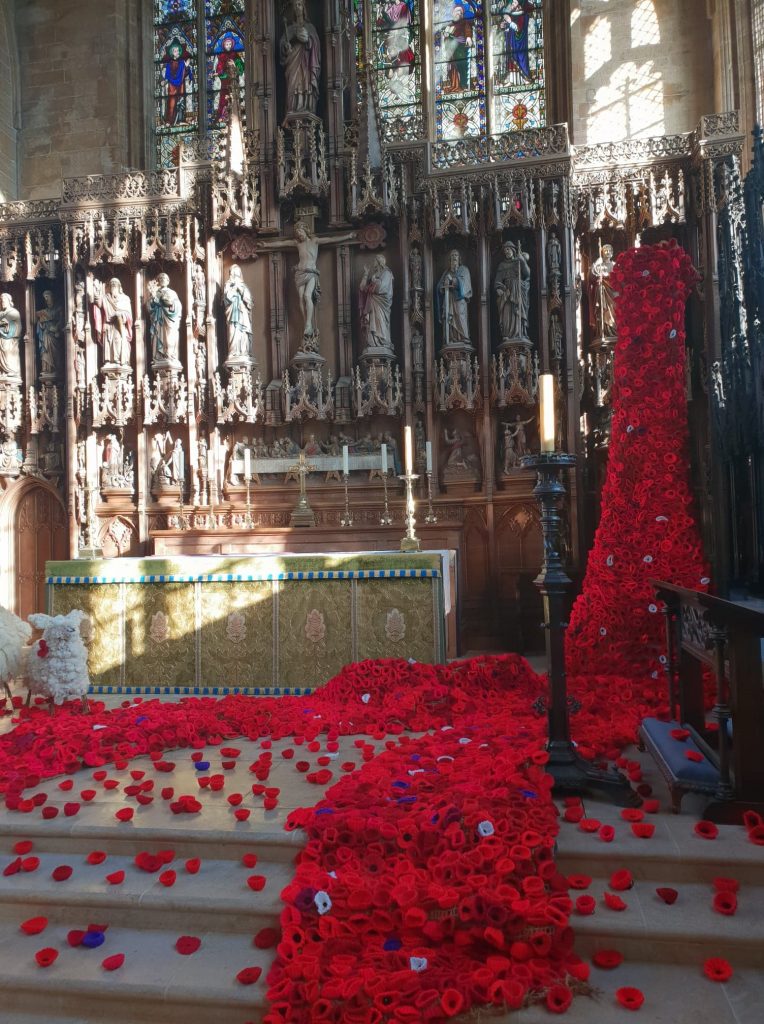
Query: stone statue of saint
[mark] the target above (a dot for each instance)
(116, 464)
(307, 278)
(417, 352)
(512, 285)
(49, 331)
(10, 337)
(510, 453)
(554, 267)
(519, 437)
(300, 51)
(199, 292)
(112, 320)
(237, 299)
(167, 461)
(602, 297)
(165, 315)
(415, 268)
(78, 316)
(459, 457)
(453, 292)
(375, 306)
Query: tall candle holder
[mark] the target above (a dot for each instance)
(249, 523)
(430, 517)
(182, 517)
(570, 772)
(386, 518)
(91, 549)
(346, 519)
(211, 516)
(410, 542)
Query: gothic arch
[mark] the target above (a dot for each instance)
(32, 530)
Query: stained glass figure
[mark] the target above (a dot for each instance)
(398, 67)
(225, 60)
(518, 65)
(459, 69)
(175, 74)
(188, 98)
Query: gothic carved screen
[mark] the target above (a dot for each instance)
(198, 67)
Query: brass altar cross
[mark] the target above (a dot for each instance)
(302, 513)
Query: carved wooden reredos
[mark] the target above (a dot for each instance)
(306, 276)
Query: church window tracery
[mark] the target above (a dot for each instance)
(484, 68)
(198, 66)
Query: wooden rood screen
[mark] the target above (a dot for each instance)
(705, 632)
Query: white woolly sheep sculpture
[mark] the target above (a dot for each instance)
(14, 636)
(57, 664)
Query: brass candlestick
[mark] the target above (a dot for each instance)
(249, 523)
(182, 517)
(346, 519)
(410, 542)
(385, 519)
(430, 517)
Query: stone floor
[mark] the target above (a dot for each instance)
(664, 946)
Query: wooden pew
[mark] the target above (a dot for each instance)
(706, 633)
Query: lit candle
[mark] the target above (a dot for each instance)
(345, 461)
(428, 455)
(408, 450)
(384, 459)
(247, 464)
(547, 412)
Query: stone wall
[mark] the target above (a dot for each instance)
(640, 68)
(8, 102)
(81, 95)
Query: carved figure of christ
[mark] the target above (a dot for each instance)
(307, 278)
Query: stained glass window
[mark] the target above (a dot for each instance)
(398, 67)
(198, 62)
(175, 74)
(518, 96)
(488, 67)
(225, 57)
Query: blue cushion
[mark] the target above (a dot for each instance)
(673, 752)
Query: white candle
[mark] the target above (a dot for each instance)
(247, 464)
(384, 459)
(547, 412)
(345, 461)
(428, 455)
(409, 451)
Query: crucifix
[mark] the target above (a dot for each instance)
(307, 278)
(302, 513)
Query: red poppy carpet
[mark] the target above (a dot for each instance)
(428, 885)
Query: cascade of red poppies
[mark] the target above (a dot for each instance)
(647, 529)
(428, 884)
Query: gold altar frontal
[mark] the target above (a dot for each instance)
(255, 624)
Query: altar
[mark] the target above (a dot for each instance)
(255, 623)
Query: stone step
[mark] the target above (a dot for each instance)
(156, 984)
(231, 842)
(685, 932)
(673, 852)
(216, 898)
(674, 994)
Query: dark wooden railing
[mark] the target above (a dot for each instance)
(705, 633)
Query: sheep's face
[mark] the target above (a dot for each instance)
(59, 631)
